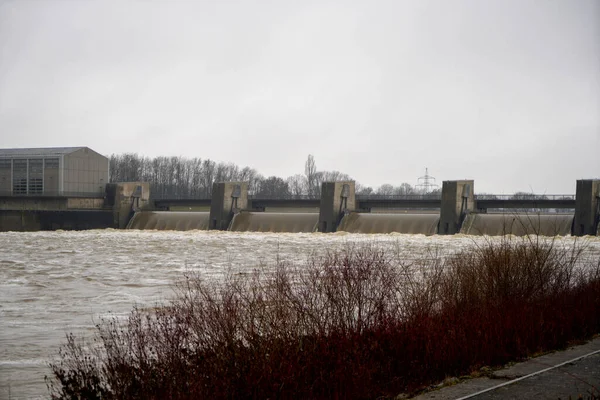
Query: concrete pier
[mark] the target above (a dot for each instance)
(125, 198)
(336, 199)
(457, 202)
(228, 198)
(587, 207)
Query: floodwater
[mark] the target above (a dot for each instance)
(53, 283)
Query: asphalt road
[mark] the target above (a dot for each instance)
(537, 378)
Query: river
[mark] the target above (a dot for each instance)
(52, 283)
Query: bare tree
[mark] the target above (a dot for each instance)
(385, 190)
(404, 189)
(195, 167)
(273, 187)
(334, 176)
(310, 170)
(297, 185)
(363, 190)
(208, 176)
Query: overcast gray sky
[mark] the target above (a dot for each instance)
(505, 92)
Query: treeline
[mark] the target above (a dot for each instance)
(194, 177)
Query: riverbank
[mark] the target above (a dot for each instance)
(357, 323)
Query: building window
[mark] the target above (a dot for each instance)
(19, 176)
(51, 163)
(36, 176)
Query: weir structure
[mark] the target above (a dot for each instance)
(456, 210)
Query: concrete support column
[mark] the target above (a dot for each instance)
(336, 199)
(457, 202)
(587, 208)
(228, 198)
(125, 198)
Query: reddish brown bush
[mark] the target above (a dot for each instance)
(355, 324)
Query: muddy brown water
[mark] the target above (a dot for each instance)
(52, 283)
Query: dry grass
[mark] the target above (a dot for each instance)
(355, 324)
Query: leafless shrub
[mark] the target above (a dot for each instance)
(358, 323)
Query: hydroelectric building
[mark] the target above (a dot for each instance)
(52, 171)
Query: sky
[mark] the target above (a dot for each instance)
(505, 92)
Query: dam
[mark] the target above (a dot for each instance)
(456, 211)
(68, 188)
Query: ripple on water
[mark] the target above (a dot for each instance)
(54, 282)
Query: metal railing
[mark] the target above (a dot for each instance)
(429, 196)
(178, 196)
(525, 197)
(363, 197)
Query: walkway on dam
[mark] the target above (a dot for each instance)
(570, 374)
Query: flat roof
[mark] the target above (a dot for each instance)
(39, 151)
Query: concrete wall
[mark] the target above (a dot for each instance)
(84, 171)
(126, 191)
(125, 198)
(223, 205)
(51, 203)
(457, 202)
(333, 205)
(586, 217)
(89, 203)
(41, 220)
(33, 203)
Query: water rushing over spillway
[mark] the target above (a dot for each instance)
(408, 223)
(517, 224)
(169, 220)
(274, 222)
(52, 283)
(424, 224)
